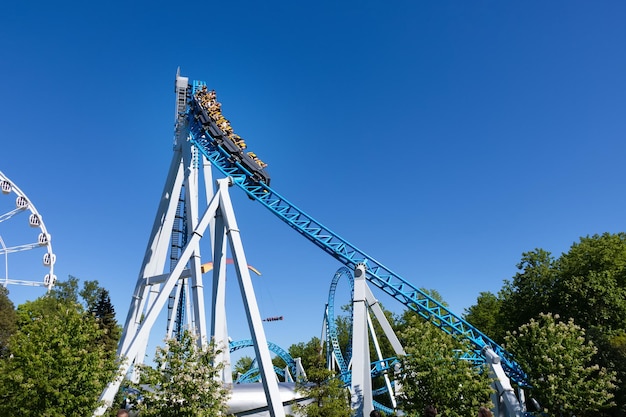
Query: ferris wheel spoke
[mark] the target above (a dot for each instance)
(22, 282)
(20, 248)
(8, 215)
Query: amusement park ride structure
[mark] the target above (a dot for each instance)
(171, 272)
(42, 241)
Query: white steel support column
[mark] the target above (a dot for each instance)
(380, 357)
(361, 388)
(507, 404)
(208, 190)
(255, 323)
(172, 314)
(375, 307)
(219, 329)
(191, 162)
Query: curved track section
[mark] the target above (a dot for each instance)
(332, 325)
(42, 241)
(280, 352)
(213, 143)
(252, 375)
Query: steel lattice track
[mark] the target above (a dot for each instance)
(346, 253)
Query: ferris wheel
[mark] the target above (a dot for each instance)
(25, 236)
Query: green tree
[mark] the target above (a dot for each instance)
(327, 395)
(184, 382)
(592, 289)
(66, 291)
(8, 320)
(485, 316)
(308, 352)
(104, 313)
(95, 301)
(56, 367)
(242, 366)
(559, 363)
(591, 284)
(588, 284)
(613, 353)
(433, 373)
(531, 290)
(91, 293)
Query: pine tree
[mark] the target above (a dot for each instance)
(104, 314)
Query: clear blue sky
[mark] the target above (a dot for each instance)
(443, 138)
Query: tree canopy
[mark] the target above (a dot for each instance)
(586, 284)
(558, 361)
(56, 367)
(58, 363)
(434, 375)
(486, 316)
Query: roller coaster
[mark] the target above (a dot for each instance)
(254, 181)
(200, 125)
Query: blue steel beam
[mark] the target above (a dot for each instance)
(339, 248)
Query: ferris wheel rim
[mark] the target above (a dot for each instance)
(44, 239)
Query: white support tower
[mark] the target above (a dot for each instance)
(361, 388)
(156, 285)
(363, 303)
(375, 307)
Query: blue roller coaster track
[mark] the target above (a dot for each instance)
(213, 143)
(253, 374)
(332, 325)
